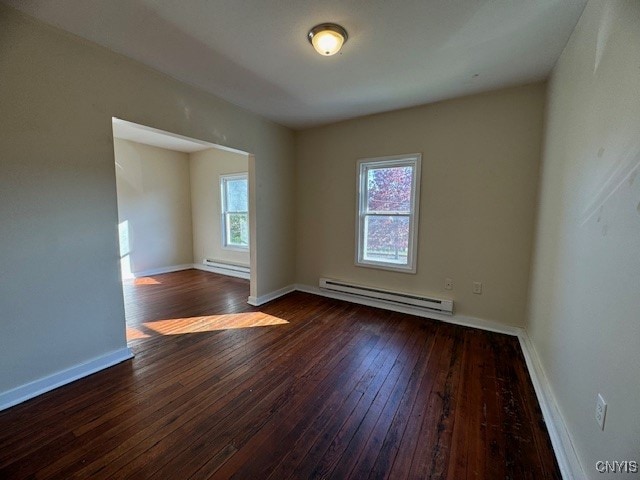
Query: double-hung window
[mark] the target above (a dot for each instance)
(235, 210)
(387, 222)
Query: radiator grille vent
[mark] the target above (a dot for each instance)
(230, 267)
(438, 305)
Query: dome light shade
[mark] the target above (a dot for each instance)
(327, 38)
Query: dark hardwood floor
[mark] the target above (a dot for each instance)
(304, 387)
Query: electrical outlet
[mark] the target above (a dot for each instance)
(601, 411)
(477, 288)
(448, 284)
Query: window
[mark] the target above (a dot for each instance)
(388, 198)
(235, 210)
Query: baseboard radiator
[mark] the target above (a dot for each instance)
(437, 305)
(225, 267)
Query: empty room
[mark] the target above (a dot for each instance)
(295, 239)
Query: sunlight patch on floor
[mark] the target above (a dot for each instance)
(208, 323)
(145, 281)
(141, 281)
(135, 333)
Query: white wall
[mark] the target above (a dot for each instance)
(480, 159)
(585, 291)
(154, 206)
(206, 167)
(60, 293)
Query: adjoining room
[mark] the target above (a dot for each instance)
(182, 204)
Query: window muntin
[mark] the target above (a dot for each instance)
(388, 191)
(235, 210)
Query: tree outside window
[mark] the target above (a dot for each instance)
(235, 210)
(387, 207)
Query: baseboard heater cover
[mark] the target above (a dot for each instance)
(232, 267)
(438, 305)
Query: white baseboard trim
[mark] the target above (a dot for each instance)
(221, 271)
(261, 300)
(455, 319)
(38, 387)
(160, 271)
(568, 461)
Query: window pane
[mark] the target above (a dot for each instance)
(238, 229)
(389, 189)
(237, 198)
(386, 239)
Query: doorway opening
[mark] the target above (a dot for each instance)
(183, 204)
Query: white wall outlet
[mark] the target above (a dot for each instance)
(448, 284)
(601, 411)
(477, 288)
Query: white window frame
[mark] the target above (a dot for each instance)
(223, 203)
(363, 166)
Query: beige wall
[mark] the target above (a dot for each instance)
(62, 300)
(206, 167)
(480, 157)
(154, 206)
(585, 302)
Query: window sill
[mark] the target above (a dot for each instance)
(236, 249)
(388, 267)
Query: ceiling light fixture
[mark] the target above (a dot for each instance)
(327, 38)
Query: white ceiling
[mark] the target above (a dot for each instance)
(159, 138)
(400, 53)
(156, 138)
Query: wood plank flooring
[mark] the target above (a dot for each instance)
(304, 387)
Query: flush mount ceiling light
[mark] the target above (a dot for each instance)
(327, 38)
